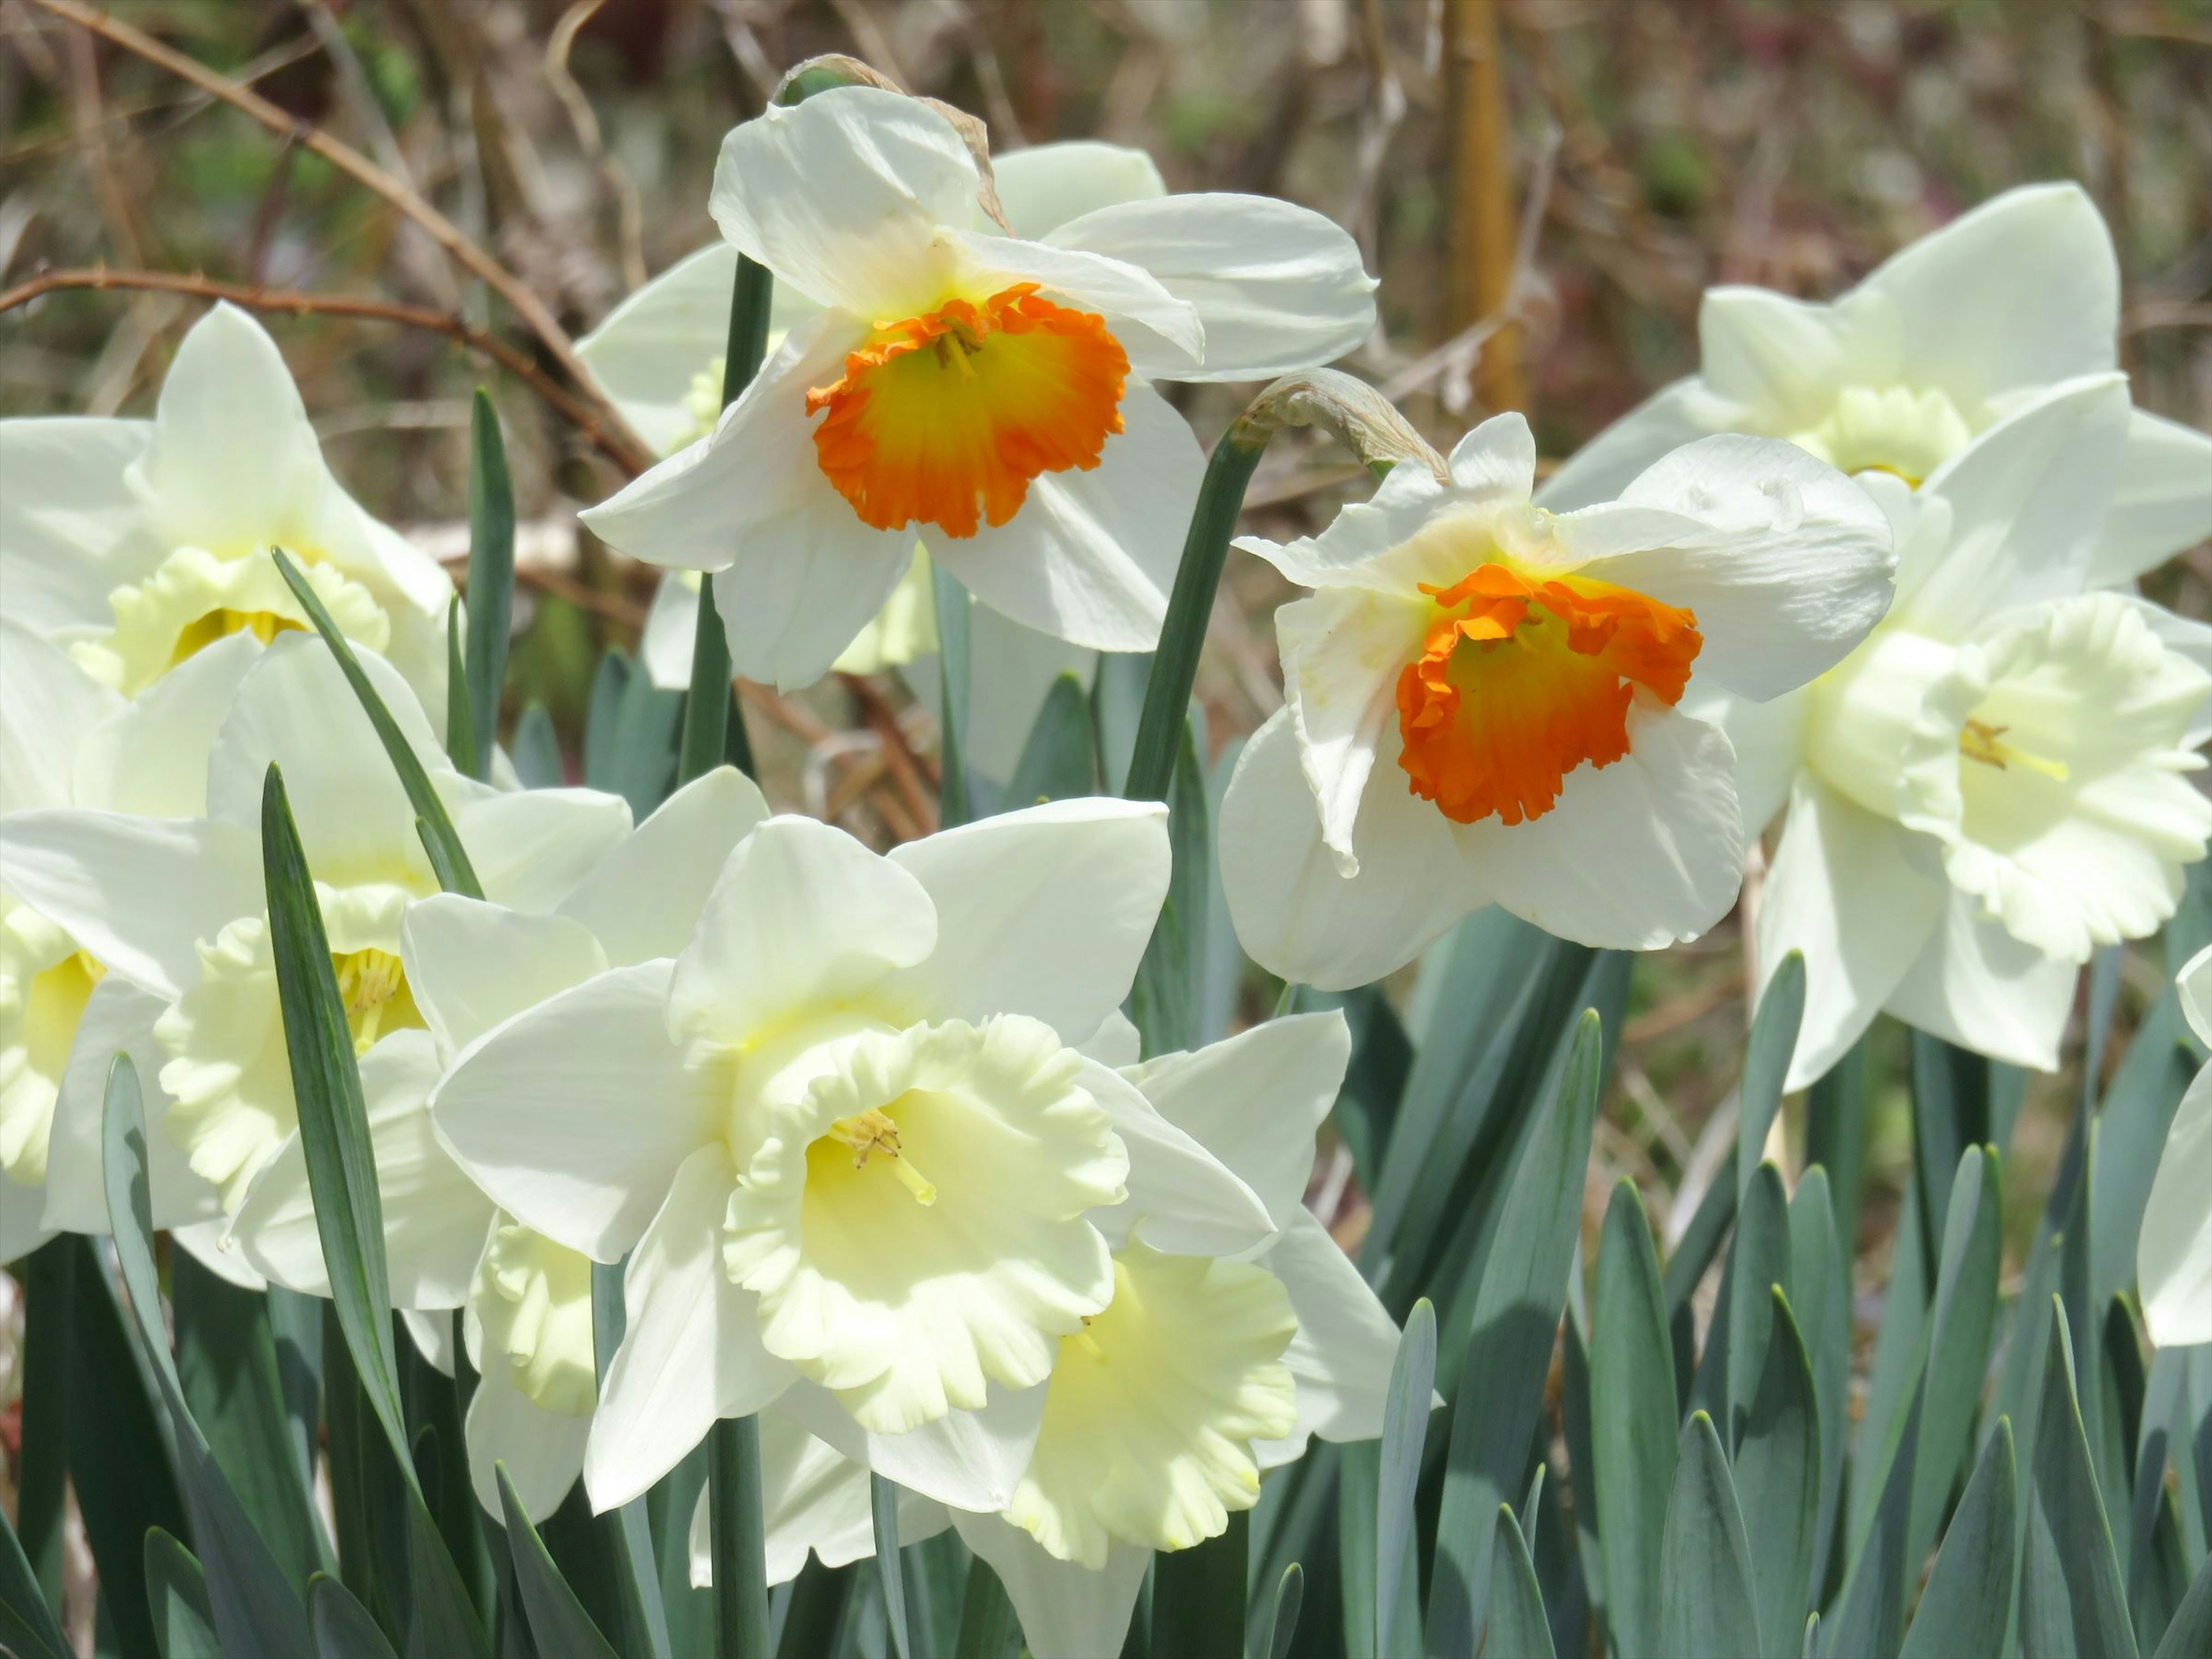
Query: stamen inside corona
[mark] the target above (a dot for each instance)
(221, 622)
(1522, 679)
(870, 1134)
(1978, 740)
(945, 418)
(373, 988)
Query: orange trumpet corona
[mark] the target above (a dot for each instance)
(1521, 680)
(945, 418)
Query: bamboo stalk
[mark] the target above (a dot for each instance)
(1483, 230)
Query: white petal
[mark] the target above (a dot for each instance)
(152, 757)
(803, 915)
(644, 896)
(1066, 1611)
(2027, 498)
(1044, 912)
(2194, 984)
(470, 965)
(1768, 740)
(1160, 331)
(1042, 187)
(135, 892)
(809, 584)
(71, 529)
(1786, 562)
(815, 1500)
(2162, 502)
(841, 196)
(1772, 363)
(1278, 287)
(1089, 557)
(1116, 1041)
(48, 707)
(1644, 853)
(651, 345)
(431, 1333)
(433, 1216)
(1352, 550)
(543, 1451)
(530, 847)
(692, 1352)
(2173, 1253)
(1979, 987)
(970, 1459)
(1296, 916)
(294, 708)
(1497, 461)
(1011, 671)
(1181, 1198)
(118, 1019)
(1845, 892)
(670, 631)
(1343, 651)
(2022, 292)
(233, 463)
(205, 1241)
(1345, 1347)
(1602, 468)
(576, 1115)
(22, 1227)
(1255, 1100)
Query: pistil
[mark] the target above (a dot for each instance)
(871, 1133)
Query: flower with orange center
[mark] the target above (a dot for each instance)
(976, 383)
(966, 405)
(1527, 673)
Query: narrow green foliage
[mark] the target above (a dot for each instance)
(1283, 1621)
(1060, 761)
(538, 750)
(27, 1625)
(987, 1627)
(954, 806)
(1405, 1431)
(1819, 1293)
(707, 708)
(1633, 1418)
(49, 1277)
(735, 1528)
(816, 1608)
(1164, 1001)
(1705, 1598)
(1959, 1341)
(1969, 1593)
(2072, 1598)
(1869, 1616)
(491, 581)
(460, 719)
(177, 1588)
(1199, 1596)
(1766, 1065)
(1758, 1263)
(1836, 1135)
(882, 1510)
(1777, 1479)
(2190, 1633)
(1900, 1357)
(1517, 1626)
(557, 1619)
(343, 1628)
(1190, 607)
(439, 836)
(1516, 1321)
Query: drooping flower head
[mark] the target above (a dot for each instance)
(983, 393)
(1487, 701)
(136, 544)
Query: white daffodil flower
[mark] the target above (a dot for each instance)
(67, 741)
(983, 393)
(1202, 1371)
(660, 356)
(137, 544)
(1486, 700)
(1949, 337)
(859, 1166)
(174, 905)
(1995, 783)
(2173, 1253)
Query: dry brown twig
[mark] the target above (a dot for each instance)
(525, 305)
(618, 445)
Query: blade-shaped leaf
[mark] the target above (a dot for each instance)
(1164, 1000)
(952, 791)
(882, 1509)
(1283, 1622)
(27, 1623)
(460, 719)
(557, 1619)
(1959, 1341)
(1777, 1482)
(177, 1590)
(1819, 1294)
(491, 580)
(1518, 1628)
(1869, 1616)
(1836, 1109)
(538, 750)
(987, 1617)
(44, 1363)
(1765, 1066)
(2190, 1633)
(1633, 1421)
(2072, 1598)
(1199, 1596)
(1969, 1593)
(255, 1610)
(1405, 1431)
(438, 831)
(1951, 1115)
(1516, 1321)
(816, 1608)
(1759, 1263)
(737, 1539)
(343, 1629)
(1060, 761)
(1705, 1604)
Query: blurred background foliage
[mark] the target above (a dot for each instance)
(1543, 186)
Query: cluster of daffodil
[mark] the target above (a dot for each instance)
(871, 1132)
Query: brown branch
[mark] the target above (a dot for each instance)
(907, 768)
(350, 161)
(616, 443)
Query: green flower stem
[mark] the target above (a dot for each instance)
(491, 583)
(1175, 665)
(739, 1541)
